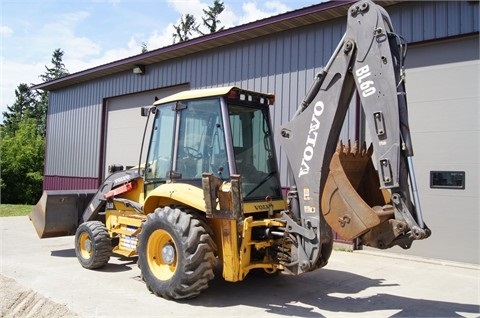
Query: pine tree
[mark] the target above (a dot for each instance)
(185, 29)
(211, 20)
(188, 26)
(24, 107)
(56, 71)
(144, 47)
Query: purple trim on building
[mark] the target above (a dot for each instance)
(69, 183)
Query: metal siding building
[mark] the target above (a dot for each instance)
(281, 55)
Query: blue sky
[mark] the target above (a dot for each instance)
(96, 32)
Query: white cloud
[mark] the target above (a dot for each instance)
(63, 29)
(26, 68)
(229, 17)
(164, 37)
(82, 52)
(81, 47)
(277, 7)
(76, 64)
(5, 31)
(194, 7)
(158, 39)
(251, 11)
(13, 74)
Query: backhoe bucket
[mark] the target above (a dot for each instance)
(57, 213)
(352, 201)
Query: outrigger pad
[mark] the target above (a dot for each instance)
(58, 212)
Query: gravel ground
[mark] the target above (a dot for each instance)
(19, 301)
(42, 278)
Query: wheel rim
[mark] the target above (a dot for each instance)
(85, 245)
(162, 255)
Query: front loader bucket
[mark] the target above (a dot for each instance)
(57, 213)
(352, 201)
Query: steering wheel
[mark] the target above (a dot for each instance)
(192, 152)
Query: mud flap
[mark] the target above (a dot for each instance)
(352, 201)
(57, 213)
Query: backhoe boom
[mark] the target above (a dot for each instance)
(336, 184)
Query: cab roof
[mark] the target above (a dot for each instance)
(206, 92)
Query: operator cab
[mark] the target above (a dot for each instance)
(223, 131)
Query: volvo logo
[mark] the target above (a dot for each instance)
(122, 179)
(311, 139)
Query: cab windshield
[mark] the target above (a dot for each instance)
(187, 140)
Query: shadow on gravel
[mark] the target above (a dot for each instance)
(305, 295)
(122, 264)
(69, 252)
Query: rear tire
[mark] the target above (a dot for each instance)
(176, 254)
(93, 245)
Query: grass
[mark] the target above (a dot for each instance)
(15, 209)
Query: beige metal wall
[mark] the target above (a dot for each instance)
(443, 90)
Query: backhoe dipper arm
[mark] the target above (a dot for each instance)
(368, 59)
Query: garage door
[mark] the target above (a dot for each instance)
(442, 90)
(125, 126)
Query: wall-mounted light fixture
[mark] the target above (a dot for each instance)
(139, 69)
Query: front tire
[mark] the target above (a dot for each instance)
(326, 251)
(175, 254)
(93, 245)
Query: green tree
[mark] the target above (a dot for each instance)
(211, 20)
(22, 135)
(185, 29)
(24, 107)
(57, 70)
(41, 111)
(144, 47)
(21, 162)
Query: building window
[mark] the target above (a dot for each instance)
(447, 179)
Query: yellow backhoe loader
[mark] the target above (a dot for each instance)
(209, 188)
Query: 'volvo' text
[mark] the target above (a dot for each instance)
(311, 139)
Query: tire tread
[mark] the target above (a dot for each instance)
(199, 253)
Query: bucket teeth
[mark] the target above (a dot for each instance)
(355, 148)
(349, 150)
(339, 147)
